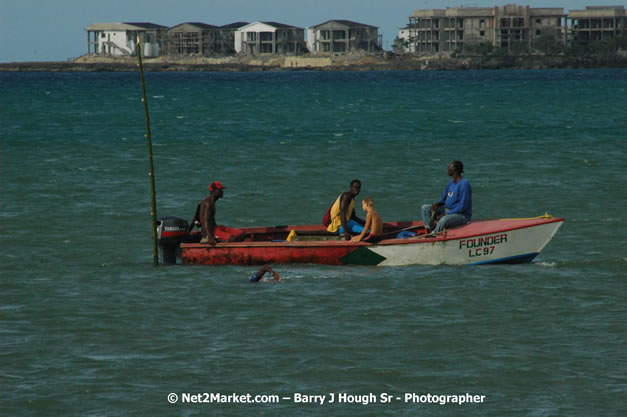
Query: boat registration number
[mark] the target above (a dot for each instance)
(482, 246)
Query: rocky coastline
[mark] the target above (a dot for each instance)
(375, 62)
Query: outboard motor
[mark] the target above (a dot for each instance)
(171, 232)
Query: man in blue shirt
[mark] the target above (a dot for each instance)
(454, 207)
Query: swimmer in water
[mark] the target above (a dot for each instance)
(258, 276)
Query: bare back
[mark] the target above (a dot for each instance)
(207, 214)
(376, 223)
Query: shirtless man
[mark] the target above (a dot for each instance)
(206, 217)
(374, 224)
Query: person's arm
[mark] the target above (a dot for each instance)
(441, 201)
(344, 202)
(357, 219)
(265, 269)
(195, 219)
(364, 232)
(276, 276)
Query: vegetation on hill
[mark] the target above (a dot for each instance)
(544, 53)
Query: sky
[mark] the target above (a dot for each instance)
(54, 30)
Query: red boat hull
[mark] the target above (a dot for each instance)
(484, 241)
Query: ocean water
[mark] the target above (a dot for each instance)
(89, 327)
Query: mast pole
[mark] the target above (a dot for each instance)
(155, 254)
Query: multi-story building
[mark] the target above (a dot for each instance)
(190, 38)
(342, 36)
(270, 38)
(225, 38)
(120, 39)
(597, 22)
(402, 42)
(449, 30)
(193, 38)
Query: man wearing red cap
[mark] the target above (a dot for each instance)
(206, 217)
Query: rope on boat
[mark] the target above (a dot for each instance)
(544, 216)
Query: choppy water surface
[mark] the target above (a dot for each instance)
(89, 327)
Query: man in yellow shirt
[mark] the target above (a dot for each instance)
(344, 221)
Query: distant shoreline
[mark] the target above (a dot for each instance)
(380, 62)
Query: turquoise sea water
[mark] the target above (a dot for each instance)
(89, 327)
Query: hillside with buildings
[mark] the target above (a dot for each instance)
(366, 62)
(509, 36)
(509, 28)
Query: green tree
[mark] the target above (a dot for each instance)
(518, 48)
(609, 46)
(548, 45)
(484, 49)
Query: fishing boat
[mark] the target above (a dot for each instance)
(478, 242)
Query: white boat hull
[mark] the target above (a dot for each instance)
(512, 246)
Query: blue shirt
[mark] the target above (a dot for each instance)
(255, 277)
(457, 198)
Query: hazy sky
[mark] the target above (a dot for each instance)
(54, 30)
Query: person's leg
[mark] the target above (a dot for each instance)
(352, 226)
(355, 227)
(229, 234)
(449, 221)
(426, 215)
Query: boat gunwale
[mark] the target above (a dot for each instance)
(450, 236)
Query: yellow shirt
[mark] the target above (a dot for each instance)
(336, 221)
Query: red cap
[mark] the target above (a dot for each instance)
(216, 185)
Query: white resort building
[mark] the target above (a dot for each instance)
(120, 39)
